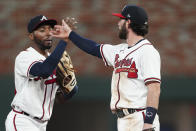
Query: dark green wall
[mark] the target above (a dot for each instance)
(89, 109)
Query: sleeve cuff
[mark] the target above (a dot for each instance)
(104, 59)
(152, 80)
(72, 35)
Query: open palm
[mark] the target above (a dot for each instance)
(61, 31)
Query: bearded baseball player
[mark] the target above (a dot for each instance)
(35, 79)
(135, 85)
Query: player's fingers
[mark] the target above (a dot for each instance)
(70, 20)
(56, 27)
(57, 30)
(67, 19)
(74, 22)
(53, 32)
(56, 36)
(63, 23)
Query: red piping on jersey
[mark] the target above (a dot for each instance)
(137, 48)
(51, 81)
(143, 115)
(118, 92)
(122, 70)
(51, 96)
(38, 78)
(31, 66)
(119, 73)
(103, 55)
(44, 103)
(14, 122)
(152, 79)
(15, 91)
(50, 99)
(18, 111)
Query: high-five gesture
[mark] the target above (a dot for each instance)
(128, 104)
(63, 31)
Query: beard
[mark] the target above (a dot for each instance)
(41, 44)
(123, 32)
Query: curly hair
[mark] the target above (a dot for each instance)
(141, 30)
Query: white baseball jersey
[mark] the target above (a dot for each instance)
(133, 67)
(34, 95)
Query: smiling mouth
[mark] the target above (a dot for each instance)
(48, 41)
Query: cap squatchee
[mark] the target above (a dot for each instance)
(38, 21)
(135, 13)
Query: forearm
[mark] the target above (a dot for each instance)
(45, 68)
(153, 95)
(152, 103)
(86, 45)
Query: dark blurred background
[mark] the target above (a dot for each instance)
(172, 31)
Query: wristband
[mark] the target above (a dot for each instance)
(150, 115)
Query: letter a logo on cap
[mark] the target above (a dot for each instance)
(43, 18)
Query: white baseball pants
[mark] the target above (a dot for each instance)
(20, 122)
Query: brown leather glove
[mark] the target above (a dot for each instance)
(65, 73)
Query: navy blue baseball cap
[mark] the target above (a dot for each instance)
(135, 13)
(38, 21)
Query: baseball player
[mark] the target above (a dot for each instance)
(35, 79)
(135, 85)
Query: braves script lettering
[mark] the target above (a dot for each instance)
(126, 65)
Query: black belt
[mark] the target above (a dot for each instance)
(22, 112)
(123, 112)
(32, 117)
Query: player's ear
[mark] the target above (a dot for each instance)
(31, 36)
(128, 22)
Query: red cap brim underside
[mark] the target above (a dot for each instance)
(118, 15)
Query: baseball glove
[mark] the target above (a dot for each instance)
(65, 74)
(150, 129)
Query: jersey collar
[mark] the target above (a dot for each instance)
(136, 43)
(35, 51)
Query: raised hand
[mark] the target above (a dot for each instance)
(63, 31)
(71, 22)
